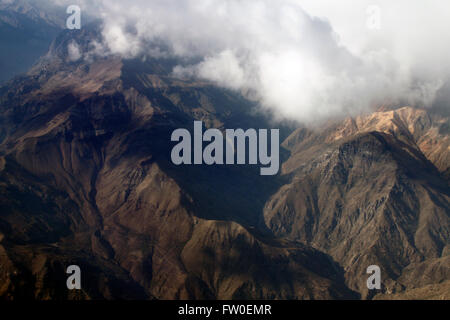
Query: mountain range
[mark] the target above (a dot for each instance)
(86, 179)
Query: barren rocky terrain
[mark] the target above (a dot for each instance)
(86, 179)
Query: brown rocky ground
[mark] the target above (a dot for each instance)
(85, 178)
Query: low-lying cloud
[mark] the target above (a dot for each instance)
(304, 60)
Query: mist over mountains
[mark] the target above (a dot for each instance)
(268, 49)
(86, 176)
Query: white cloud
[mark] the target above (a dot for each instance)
(224, 69)
(305, 59)
(74, 52)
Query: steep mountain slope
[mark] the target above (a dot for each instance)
(26, 31)
(85, 152)
(369, 191)
(86, 178)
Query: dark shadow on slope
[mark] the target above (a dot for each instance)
(220, 192)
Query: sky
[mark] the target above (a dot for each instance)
(301, 59)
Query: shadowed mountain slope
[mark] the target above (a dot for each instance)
(86, 178)
(369, 191)
(85, 152)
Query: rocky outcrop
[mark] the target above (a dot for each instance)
(86, 179)
(368, 191)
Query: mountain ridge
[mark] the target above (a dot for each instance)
(85, 151)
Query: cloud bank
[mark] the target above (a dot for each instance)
(304, 60)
